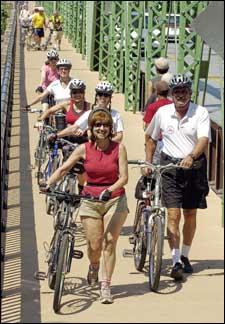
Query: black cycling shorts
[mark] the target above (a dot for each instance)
(185, 189)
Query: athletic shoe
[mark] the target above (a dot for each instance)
(92, 276)
(105, 296)
(186, 264)
(177, 271)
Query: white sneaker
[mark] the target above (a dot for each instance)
(105, 296)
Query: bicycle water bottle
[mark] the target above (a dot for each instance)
(60, 121)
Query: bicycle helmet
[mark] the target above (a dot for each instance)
(77, 84)
(64, 62)
(180, 80)
(104, 87)
(52, 55)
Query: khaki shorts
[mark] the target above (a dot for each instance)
(57, 35)
(100, 209)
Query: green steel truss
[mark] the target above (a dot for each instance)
(133, 28)
(109, 34)
(190, 49)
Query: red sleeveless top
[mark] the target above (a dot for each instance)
(102, 168)
(71, 115)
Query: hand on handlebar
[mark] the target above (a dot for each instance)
(52, 137)
(39, 89)
(26, 108)
(43, 186)
(187, 162)
(105, 195)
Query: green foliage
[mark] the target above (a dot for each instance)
(4, 16)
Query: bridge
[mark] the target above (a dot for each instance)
(24, 300)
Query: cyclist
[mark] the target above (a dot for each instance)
(162, 67)
(49, 73)
(185, 129)
(56, 23)
(75, 107)
(105, 162)
(103, 96)
(39, 22)
(58, 88)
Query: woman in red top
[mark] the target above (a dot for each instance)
(105, 162)
(73, 108)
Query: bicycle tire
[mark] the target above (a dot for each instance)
(60, 272)
(155, 254)
(140, 248)
(53, 260)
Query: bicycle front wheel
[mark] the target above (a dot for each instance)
(140, 248)
(62, 267)
(155, 254)
(53, 259)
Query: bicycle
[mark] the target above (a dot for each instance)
(61, 250)
(149, 225)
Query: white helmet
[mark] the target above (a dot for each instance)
(180, 80)
(104, 87)
(52, 54)
(41, 9)
(77, 84)
(64, 62)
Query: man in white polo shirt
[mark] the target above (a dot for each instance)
(185, 130)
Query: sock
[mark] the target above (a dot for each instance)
(105, 283)
(176, 256)
(185, 250)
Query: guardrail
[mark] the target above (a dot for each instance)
(6, 103)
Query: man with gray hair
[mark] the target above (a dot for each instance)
(185, 130)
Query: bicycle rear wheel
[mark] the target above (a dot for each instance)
(140, 248)
(62, 267)
(155, 255)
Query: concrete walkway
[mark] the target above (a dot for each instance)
(199, 299)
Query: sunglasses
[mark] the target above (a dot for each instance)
(100, 94)
(63, 68)
(99, 124)
(77, 91)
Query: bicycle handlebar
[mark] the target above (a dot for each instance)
(143, 163)
(72, 197)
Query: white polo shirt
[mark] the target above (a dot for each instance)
(179, 136)
(82, 121)
(60, 94)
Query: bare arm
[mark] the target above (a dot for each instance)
(123, 169)
(40, 97)
(118, 137)
(77, 154)
(199, 148)
(150, 146)
(68, 131)
(53, 109)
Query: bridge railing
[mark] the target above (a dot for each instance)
(8, 59)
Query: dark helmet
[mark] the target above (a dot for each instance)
(180, 80)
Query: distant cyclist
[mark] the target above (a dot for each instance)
(185, 130)
(56, 23)
(103, 96)
(39, 23)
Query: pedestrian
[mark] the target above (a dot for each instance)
(185, 129)
(39, 22)
(162, 67)
(56, 24)
(106, 165)
(162, 91)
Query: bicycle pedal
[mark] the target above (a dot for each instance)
(127, 253)
(40, 275)
(78, 254)
(131, 239)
